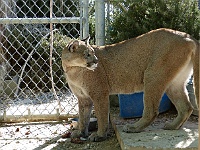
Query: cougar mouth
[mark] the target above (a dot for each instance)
(91, 66)
(92, 63)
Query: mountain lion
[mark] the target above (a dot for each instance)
(156, 62)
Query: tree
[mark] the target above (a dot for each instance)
(135, 17)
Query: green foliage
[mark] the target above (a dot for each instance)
(59, 42)
(135, 17)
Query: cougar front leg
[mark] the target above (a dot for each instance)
(101, 106)
(85, 107)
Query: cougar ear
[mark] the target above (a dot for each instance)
(86, 40)
(73, 46)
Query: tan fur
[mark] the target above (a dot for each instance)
(156, 62)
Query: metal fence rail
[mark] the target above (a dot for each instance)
(39, 20)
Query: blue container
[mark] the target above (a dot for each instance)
(131, 105)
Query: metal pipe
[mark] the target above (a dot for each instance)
(51, 55)
(81, 16)
(199, 4)
(85, 20)
(100, 22)
(39, 20)
(108, 23)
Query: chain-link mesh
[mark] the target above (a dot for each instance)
(26, 93)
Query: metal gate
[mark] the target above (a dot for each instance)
(32, 86)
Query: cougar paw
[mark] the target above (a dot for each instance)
(94, 137)
(170, 126)
(131, 129)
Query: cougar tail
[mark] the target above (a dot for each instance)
(196, 60)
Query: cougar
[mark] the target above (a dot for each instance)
(157, 62)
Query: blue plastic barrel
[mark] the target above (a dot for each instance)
(131, 105)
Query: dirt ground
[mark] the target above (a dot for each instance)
(110, 144)
(49, 136)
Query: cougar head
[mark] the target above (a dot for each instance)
(79, 53)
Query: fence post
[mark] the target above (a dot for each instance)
(100, 22)
(199, 4)
(85, 20)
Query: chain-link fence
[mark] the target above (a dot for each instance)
(32, 85)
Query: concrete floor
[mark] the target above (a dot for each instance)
(154, 137)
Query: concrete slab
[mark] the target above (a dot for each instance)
(154, 137)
